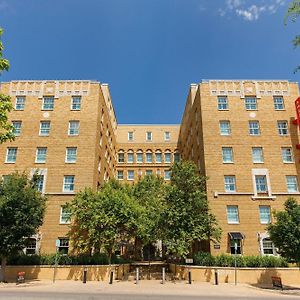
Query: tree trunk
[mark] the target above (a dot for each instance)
(2, 270)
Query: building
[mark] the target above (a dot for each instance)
(241, 135)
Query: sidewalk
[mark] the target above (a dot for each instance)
(145, 287)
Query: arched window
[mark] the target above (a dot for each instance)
(139, 156)
(121, 156)
(149, 158)
(176, 156)
(158, 156)
(130, 156)
(168, 157)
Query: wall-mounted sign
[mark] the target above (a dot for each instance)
(217, 246)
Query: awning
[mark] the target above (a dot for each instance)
(236, 235)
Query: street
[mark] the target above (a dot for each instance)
(145, 290)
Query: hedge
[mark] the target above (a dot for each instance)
(224, 260)
(49, 259)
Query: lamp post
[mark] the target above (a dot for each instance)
(235, 270)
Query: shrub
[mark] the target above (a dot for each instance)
(225, 260)
(50, 259)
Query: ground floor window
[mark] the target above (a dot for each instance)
(63, 247)
(236, 242)
(31, 246)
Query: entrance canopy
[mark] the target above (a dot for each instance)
(236, 235)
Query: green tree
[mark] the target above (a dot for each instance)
(22, 210)
(293, 13)
(150, 194)
(285, 232)
(102, 219)
(6, 129)
(188, 218)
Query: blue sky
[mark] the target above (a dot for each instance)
(148, 51)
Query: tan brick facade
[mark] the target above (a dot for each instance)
(201, 130)
(85, 146)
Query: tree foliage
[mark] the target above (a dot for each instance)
(22, 209)
(293, 13)
(285, 232)
(6, 129)
(103, 218)
(188, 217)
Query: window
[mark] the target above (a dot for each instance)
(120, 175)
(139, 157)
(41, 154)
(278, 103)
(167, 135)
(168, 157)
(11, 154)
(63, 247)
(265, 214)
(20, 103)
(225, 128)
(254, 128)
(121, 157)
(292, 184)
(31, 246)
(229, 182)
(130, 157)
(167, 175)
(149, 157)
(227, 154)
(251, 103)
(149, 172)
(282, 127)
(39, 183)
(48, 103)
(287, 155)
(268, 247)
(130, 175)
(257, 155)
(232, 214)
(261, 183)
(65, 215)
(69, 183)
(149, 136)
(44, 128)
(238, 243)
(71, 155)
(222, 103)
(17, 127)
(73, 128)
(176, 157)
(158, 157)
(76, 103)
(130, 135)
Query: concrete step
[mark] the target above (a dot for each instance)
(145, 276)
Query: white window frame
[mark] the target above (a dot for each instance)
(285, 154)
(63, 215)
(283, 131)
(258, 159)
(147, 155)
(37, 158)
(130, 175)
(139, 155)
(130, 154)
(43, 129)
(223, 103)
(17, 127)
(20, 106)
(229, 181)
(70, 184)
(167, 136)
(294, 183)
(40, 172)
(263, 214)
(168, 154)
(250, 104)
(176, 157)
(277, 104)
(158, 154)
(75, 105)
(225, 131)
(149, 134)
(64, 243)
(50, 105)
(149, 172)
(73, 131)
(11, 158)
(167, 175)
(224, 155)
(73, 156)
(130, 136)
(254, 130)
(261, 172)
(119, 172)
(236, 219)
(122, 154)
